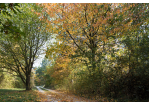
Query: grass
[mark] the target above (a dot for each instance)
(20, 95)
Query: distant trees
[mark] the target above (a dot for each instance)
(8, 80)
(40, 73)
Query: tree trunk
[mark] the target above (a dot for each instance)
(28, 80)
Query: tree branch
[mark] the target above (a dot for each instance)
(74, 41)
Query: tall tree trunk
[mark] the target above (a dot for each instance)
(28, 81)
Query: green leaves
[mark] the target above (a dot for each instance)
(8, 27)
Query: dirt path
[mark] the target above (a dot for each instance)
(40, 90)
(55, 96)
(53, 91)
(49, 98)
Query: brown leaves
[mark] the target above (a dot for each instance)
(64, 97)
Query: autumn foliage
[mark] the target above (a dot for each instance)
(93, 49)
(99, 48)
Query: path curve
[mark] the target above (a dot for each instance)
(55, 96)
(40, 90)
(49, 98)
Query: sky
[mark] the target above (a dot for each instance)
(38, 61)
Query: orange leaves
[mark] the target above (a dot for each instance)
(60, 69)
(65, 25)
(84, 15)
(60, 52)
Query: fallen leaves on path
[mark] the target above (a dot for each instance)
(43, 97)
(64, 97)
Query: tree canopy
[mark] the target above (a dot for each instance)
(107, 42)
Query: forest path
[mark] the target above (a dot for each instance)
(49, 98)
(58, 96)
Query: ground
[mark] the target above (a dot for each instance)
(59, 96)
(20, 95)
(40, 94)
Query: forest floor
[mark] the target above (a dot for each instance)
(21, 95)
(40, 94)
(60, 96)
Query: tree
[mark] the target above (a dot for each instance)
(6, 27)
(89, 28)
(58, 53)
(19, 56)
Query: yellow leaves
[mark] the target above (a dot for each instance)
(72, 16)
(61, 68)
(103, 38)
(130, 22)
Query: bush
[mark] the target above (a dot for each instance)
(130, 86)
(85, 83)
(7, 80)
